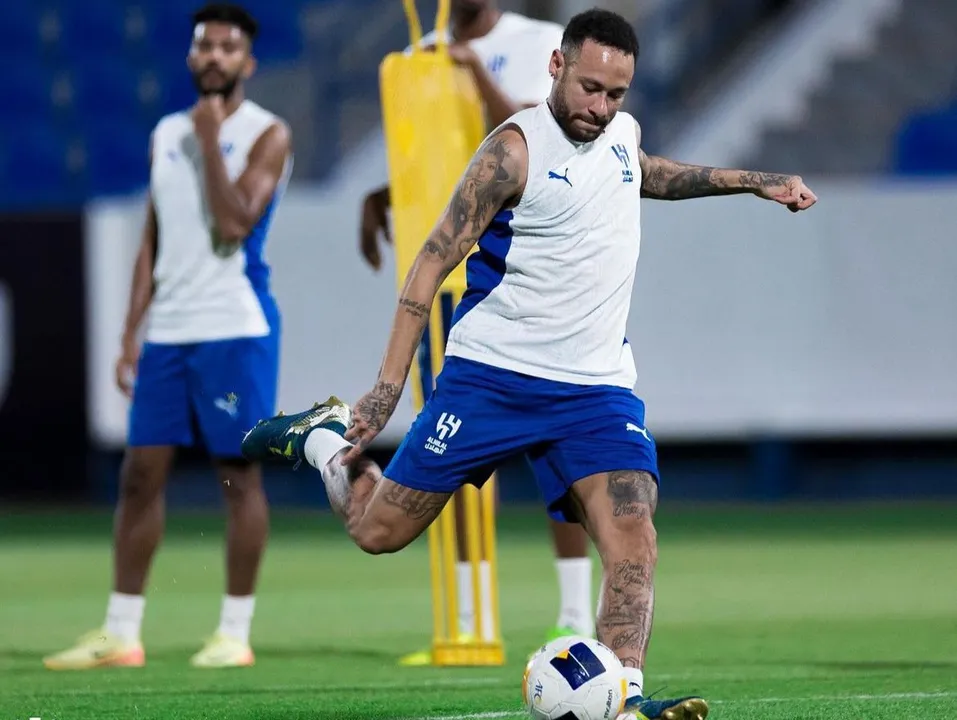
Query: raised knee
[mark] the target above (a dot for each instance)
(375, 539)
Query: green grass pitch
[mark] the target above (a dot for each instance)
(771, 613)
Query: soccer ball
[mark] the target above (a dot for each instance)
(574, 678)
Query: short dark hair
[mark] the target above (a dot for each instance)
(603, 27)
(230, 14)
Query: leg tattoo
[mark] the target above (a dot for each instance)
(629, 556)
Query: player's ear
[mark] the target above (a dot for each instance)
(555, 63)
(249, 67)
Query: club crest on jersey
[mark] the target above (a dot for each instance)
(495, 65)
(621, 152)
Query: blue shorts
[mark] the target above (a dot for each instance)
(479, 416)
(227, 385)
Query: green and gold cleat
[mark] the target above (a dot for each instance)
(283, 437)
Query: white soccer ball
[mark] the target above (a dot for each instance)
(574, 678)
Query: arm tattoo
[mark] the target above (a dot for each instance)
(665, 179)
(416, 504)
(633, 494)
(489, 182)
(377, 407)
(415, 309)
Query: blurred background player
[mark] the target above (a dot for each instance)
(212, 340)
(507, 54)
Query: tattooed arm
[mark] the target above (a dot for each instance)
(493, 180)
(664, 179)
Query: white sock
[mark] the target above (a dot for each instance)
(463, 588)
(574, 585)
(124, 616)
(463, 576)
(237, 616)
(322, 445)
(635, 677)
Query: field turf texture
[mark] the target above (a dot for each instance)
(771, 613)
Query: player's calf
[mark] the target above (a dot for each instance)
(381, 516)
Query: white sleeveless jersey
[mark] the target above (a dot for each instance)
(549, 288)
(205, 290)
(516, 52)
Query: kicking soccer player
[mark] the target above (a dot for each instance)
(507, 55)
(537, 361)
(212, 341)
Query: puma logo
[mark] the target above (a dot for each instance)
(552, 175)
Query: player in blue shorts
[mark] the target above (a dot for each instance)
(536, 362)
(211, 354)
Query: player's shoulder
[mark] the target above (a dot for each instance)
(625, 123)
(171, 127)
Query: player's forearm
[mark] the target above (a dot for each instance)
(231, 212)
(664, 179)
(498, 105)
(410, 323)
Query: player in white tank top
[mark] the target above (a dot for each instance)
(211, 336)
(507, 54)
(584, 433)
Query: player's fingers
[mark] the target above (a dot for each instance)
(355, 451)
(353, 432)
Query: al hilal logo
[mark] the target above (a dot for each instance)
(445, 429)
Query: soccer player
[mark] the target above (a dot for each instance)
(212, 340)
(507, 54)
(537, 361)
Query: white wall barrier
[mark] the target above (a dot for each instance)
(746, 319)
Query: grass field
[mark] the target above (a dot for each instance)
(834, 612)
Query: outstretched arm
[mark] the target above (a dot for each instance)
(494, 179)
(664, 179)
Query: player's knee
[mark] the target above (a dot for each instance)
(240, 482)
(376, 539)
(140, 479)
(632, 536)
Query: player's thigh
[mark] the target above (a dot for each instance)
(468, 426)
(610, 441)
(396, 515)
(233, 385)
(159, 413)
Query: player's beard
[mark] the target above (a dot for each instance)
(226, 89)
(564, 117)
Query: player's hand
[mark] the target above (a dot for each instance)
(375, 219)
(369, 416)
(462, 54)
(208, 116)
(126, 366)
(790, 191)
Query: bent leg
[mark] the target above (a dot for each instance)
(381, 516)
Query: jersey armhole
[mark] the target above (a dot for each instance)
(511, 125)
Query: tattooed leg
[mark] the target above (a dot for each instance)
(617, 510)
(381, 516)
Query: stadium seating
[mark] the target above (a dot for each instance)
(90, 80)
